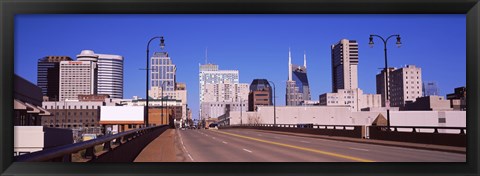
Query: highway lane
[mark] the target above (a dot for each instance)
(369, 151)
(257, 146)
(208, 145)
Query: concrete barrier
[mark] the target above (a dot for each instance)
(448, 139)
(329, 130)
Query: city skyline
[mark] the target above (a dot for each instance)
(235, 41)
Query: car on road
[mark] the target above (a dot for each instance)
(213, 126)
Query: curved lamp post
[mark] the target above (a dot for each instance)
(162, 45)
(399, 43)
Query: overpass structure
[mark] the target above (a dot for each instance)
(269, 143)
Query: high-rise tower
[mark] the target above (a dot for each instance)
(109, 72)
(344, 65)
(48, 75)
(298, 89)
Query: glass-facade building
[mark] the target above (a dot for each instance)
(48, 75)
(430, 88)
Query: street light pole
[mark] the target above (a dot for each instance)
(241, 108)
(162, 45)
(163, 105)
(387, 98)
(274, 105)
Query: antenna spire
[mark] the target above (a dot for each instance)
(289, 65)
(305, 59)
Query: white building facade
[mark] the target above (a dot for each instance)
(351, 97)
(219, 86)
(216, 109)
(77, 78)
(226, 92)
(109, 72)
(405, 85)
(110, 75)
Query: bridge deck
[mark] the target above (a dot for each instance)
(161, 149)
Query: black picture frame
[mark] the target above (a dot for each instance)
(9, 8)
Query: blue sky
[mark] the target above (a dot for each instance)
(256, 45)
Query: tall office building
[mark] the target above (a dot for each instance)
(260, 94)
(110, 75)
(77, 78)
(163, 73)
(109, 72)
(298, 89)
(215, 83)
(344, 65)
(48, 75)
(209, 74)
(405, 84)
(164, 83)
(430, 88)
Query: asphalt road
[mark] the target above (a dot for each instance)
(246, 145)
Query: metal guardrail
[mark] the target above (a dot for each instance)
(63, 153)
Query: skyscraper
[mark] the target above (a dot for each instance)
(163, 77)
(48, 75)
(163, 72)
(430, 88)
(110, 75)
(109, 72)
(344, 65)
(298, 89)
(217, 86)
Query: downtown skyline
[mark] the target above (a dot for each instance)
(237, 41)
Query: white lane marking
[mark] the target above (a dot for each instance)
(305, 142)
(247, 151)
(186, 151)
(359, 149)
(224, 142)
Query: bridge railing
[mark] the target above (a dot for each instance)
(121, 147)
(356, 131)
(450, 136)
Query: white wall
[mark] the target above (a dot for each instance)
(121, 113)
(28, 138)
(322, 115)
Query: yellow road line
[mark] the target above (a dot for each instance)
(299, 148)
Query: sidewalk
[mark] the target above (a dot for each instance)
(443, 148)
(161, 149)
